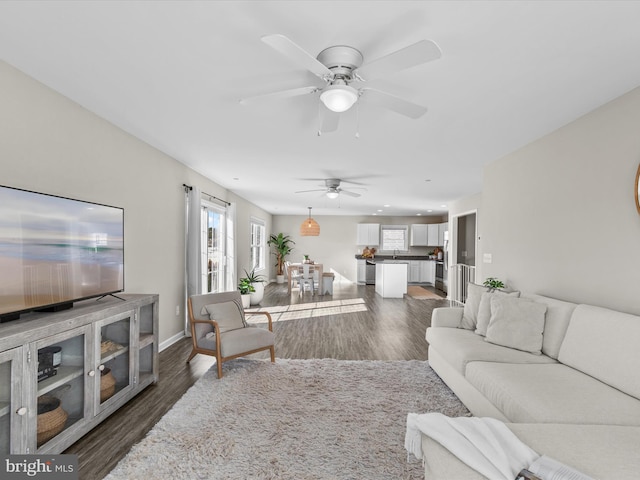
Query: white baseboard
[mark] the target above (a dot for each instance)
(170, 341)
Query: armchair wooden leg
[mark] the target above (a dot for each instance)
(219, 365)
(273, 354)
(193, 354)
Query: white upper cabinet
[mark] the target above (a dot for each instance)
(419, 235)
(433, 235)
(368, 234)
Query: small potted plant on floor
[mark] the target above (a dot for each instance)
(282, 245)
(246, 288)
(257, 281)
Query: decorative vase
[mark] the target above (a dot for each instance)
(246, 300)
(258, 295)
(279, 278)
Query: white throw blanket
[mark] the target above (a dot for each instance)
(485, 444)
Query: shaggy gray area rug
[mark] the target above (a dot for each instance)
(295, 419)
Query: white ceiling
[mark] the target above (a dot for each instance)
(172, 74)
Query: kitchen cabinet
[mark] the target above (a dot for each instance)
(419, 235)
(368, 234)
(87, 362)
(427, 272)
(361, 277)
(391, 279)
(433, 235)
(414, 271)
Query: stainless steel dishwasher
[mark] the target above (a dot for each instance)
(370, 276)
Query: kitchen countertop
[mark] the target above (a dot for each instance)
(398, 257)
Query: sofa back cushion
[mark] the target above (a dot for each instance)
(604, 343)
(556, 322)
(516, 323)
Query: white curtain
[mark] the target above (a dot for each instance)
(231, 247)
(193, 249)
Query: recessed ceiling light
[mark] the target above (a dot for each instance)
(374, 214)
(443, 206)
(386, 206)
(429, 211)
(418, 214)
(380, 210)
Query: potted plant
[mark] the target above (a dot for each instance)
(246, 288)
(493, 284)
(257, 281)
(282, 245)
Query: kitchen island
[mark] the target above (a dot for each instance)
(391, 279)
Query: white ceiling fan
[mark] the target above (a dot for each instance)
(340, 66)
(332, 189)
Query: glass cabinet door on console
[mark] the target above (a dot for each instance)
(12, 409)
(115, 361)
(60, 407)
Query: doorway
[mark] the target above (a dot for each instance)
(464, 249)
(214, 249)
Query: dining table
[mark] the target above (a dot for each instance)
(313, 267)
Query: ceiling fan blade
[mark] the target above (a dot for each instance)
(294, 92)
(422, 52)
(330, 121)
(291, 50)
(350, 194)
(397, 104)
(309, 191)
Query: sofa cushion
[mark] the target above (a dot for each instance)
(516, 323)
(604, 343)
(551, 393)
(556, 322)
(471, 306)
(229, 315)
(239, 341)
(459, 347)
(484, 310)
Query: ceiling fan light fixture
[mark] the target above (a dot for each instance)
(333, 194)
(339, 98)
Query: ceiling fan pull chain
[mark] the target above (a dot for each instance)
(357, 120)
(319, 121)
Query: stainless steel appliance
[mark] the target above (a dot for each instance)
(370, 275)
(442, 267)
(440, 276)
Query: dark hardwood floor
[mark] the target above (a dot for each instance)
(353, 324)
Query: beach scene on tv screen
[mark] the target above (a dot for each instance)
(55, 250)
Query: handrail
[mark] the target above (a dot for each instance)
(461, 275)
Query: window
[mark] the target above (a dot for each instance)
(257, 244)
(394, 237)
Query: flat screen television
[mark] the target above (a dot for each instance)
(55, 251)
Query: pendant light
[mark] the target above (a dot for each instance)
(309, 227)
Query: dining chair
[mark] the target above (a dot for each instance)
(307, 278)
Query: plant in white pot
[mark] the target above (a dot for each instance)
(257, 281)
(246, 288)
(282, 245)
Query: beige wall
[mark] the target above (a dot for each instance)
(52, 145)
(336, 247)
(558, 216)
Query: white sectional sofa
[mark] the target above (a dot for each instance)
(564, 377)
